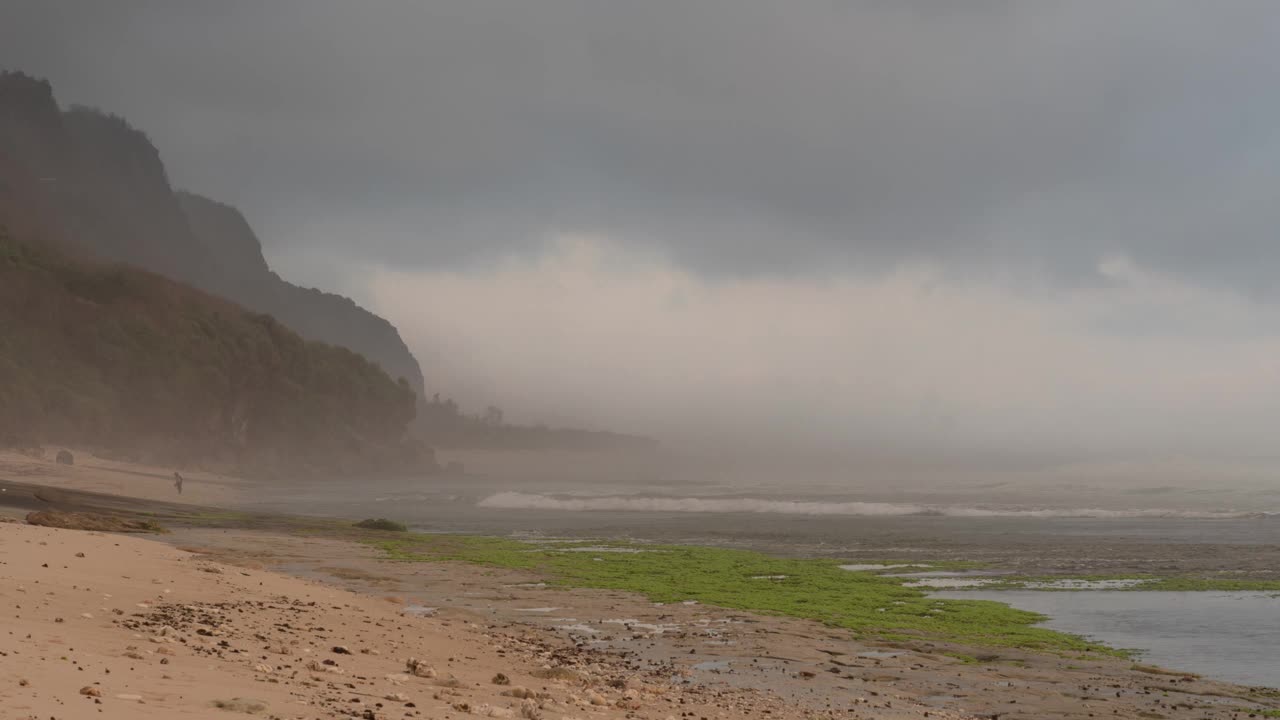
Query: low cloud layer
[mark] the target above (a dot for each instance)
(595, 332)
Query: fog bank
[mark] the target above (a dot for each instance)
(594, 332)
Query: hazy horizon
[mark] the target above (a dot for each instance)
(885, 228)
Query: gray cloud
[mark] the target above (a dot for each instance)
(738, 136)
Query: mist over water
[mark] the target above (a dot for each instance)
(519, 500)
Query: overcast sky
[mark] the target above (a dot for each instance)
(965, 223)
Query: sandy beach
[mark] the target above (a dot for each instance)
(213, 622)
(92, 473)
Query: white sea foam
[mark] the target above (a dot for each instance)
(635, 503)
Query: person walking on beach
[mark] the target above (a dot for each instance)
(177, 481)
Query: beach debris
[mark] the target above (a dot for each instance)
(419, 668)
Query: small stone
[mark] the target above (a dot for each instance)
(519, 691)
(419, 668)
(265, 669)
(90, 691)
(501, 679)
(341, 650)
(244, 705)
(396, 697)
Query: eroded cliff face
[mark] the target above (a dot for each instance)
(100, 190)
(238, 270)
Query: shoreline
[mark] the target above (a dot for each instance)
(479, 620)
(747, 661)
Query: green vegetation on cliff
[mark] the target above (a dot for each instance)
(115, 357)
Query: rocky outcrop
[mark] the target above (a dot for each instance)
(91, 521)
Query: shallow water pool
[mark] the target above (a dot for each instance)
(1232, 636)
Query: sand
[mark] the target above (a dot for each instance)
(121, 627)
(112, 477)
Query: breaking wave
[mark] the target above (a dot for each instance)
(633, 503)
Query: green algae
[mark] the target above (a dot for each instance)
(815, 589)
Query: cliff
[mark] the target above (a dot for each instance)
(116, 358)
(106, 189)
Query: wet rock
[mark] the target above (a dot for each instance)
(90, 521)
